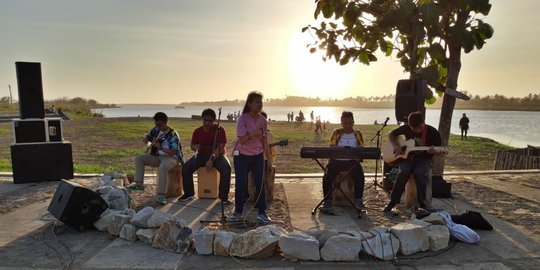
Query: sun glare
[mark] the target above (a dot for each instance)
(310, 76)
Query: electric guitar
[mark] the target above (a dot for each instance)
(280, 143)
(407, 147)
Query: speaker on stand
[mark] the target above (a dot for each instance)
(410, 97)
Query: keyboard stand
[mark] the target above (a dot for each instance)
(337, 185)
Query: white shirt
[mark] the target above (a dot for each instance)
(164, 144)
(348, 140)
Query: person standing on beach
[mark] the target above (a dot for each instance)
(202, 141)
(251, 129)
(165, 154)
(464, 125)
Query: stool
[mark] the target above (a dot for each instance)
(269, 182)
(411, 198)
(347, 185)
(174, 182)
(207, 183)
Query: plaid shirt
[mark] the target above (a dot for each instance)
(173, 139)
(336, 136)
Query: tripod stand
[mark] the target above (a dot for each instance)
(378, 136)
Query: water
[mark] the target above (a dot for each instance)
(515, 128)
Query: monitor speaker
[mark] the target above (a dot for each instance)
(31, 103)
(36, 162)
(76, 206)
(410, 97)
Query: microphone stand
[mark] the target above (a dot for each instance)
(378, 136)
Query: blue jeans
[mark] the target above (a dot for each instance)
(242, 165)
(221, 164)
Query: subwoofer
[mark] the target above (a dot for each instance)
(36, 162)
(410, 97)
(31, 103)
(76, 206)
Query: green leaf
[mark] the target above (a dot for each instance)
(486, 30)
(363, 57)
(312, 50)
(430, 74)
(437, 52)
(468, 41)
(304, 29)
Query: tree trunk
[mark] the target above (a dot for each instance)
(445, 120)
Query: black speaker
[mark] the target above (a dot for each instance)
(54, 129)
(31, 103)
(410, 97)
(29, 130)
(76, 206)
(36, 162)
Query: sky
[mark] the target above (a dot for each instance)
(176, 51)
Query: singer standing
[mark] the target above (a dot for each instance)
(345, 136)
(252, 131)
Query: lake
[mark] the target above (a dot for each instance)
(515, 128)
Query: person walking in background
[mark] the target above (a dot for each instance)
(464, 125)
(251, 129)
(311, 116)
(318, 125)
(292, 116)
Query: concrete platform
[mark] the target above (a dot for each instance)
(29, 241)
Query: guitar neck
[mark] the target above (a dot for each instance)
(424, 148)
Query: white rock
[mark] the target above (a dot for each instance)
(141, 218)
(173, 236)
(341, 248)
(379, 229)
(146, 235)
(412, 238)
(222, 242)
(257, 243)
(158, 218)
(102, 224)
(128, 232)
(322, 235)
(435, 219)
(204, 241)
(117, 223)
(297, 245)
(360, 234)
(383, 246)
(439, 235)
(421, 223)
(118, 199)
(104, 190)
(106, 179)
(129, 212)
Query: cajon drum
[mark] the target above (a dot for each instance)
(347, 185)
(174, 182)
(411, 198)
(207, 183)
(269, 181)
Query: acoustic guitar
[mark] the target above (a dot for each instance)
(407, 147)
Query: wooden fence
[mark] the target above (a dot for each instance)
(518, 159)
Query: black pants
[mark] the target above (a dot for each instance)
(464, 131)
(221, 164)
(334, 167)
(420, 168)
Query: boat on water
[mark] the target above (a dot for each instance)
(180, 107)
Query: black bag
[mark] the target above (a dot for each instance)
(473, 220)
(440, 188)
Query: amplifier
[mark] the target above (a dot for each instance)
(36, 162)
(37, 130)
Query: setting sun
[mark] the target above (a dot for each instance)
(310, 76)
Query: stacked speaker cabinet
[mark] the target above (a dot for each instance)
(410, 97)
(39, 152)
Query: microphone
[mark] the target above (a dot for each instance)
(386, 121)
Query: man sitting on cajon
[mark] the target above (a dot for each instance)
(419, 164)
(202, 141)
(345, 137)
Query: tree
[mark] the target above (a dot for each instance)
(427, 36)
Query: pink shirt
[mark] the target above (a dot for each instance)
(246, 124)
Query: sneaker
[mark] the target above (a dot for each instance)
(235, 217)
(389, 207)
(135, 186)
(161, 199)
(359, 202)
(264, 218)
(185, 198)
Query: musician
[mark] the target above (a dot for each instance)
(345, 137)
(251, 129)
(167, 152)
(420, 164)
(202, 141)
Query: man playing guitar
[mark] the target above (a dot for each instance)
(417, 164)
(165, 154)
